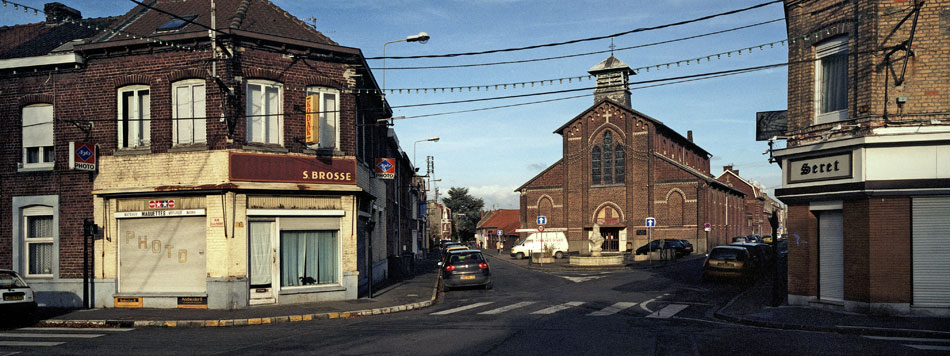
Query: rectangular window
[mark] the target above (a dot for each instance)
(831, 80)
(308, 258)
(188, 111)
(264, 112)
(38, 231)
(329, 116)
(134, 116)
(38, 136)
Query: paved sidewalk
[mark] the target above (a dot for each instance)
(564, 265)
(752, 308)
(417, 292)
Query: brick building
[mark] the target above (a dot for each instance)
(758, 205)
(866, 171)
(505, 220)
(210, 190)
(620, 166)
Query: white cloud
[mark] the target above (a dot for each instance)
(496, 196)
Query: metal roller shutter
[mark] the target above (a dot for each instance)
(830, 255)
(931, 251)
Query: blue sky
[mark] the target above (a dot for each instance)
(492, 152)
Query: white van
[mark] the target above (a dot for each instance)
(555, 241)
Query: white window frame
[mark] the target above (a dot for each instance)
(38, 211)
(33, 124)
(140, 117)
(198, 115)
(828, 48)
(328, 115)
(277, 115)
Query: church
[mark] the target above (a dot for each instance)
(620, 166)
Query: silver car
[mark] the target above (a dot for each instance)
(18, 297)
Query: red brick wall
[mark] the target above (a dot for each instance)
(802, 245)
(889, 249)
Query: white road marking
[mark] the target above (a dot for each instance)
(507, 308)
(467, 307)
(10, 353)
(913, 339)
(29, 343)
(930, 347)
(644, 305)
(581, 279)
(557, 308)
(50, 336)
(668, 311)
(613, 309)
(79, 329)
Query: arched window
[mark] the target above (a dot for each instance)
(618, 164)
(546, 208)
(595, 165)
(675, 205)
(608, 158)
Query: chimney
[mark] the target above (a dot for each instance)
(57, 13)
(689, 135)
(727, 168)
(613, 81)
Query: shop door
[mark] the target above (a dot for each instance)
(262, 272)
(931, 246)
(830, 255)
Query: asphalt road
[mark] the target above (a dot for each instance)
(527, 313)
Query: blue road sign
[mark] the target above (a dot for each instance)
(542, 220)
(501, 232)
(651, 222)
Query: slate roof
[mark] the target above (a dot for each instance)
(39, 39)
(259, 16)
(610, 64)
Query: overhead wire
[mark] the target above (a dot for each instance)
(619, 34)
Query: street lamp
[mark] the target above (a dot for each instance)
(431, 139)
(420, 37)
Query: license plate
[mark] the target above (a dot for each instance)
(468, 277)
(17, 297)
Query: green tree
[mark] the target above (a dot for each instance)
(465, 212)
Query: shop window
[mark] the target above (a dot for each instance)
(308, 258)
(831, 80)
(264, 112)
(134, 116)
(38, 136)
(188, 112)
(38, 241)
(329, 116)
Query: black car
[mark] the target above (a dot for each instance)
(761, 256)
(669, 244)
(462, 268)
(687, 247)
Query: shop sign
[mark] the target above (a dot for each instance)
(291, 169)
(193, 302)
(159, 213)
(127, 302)
(820, 168)
(82, 156)
(161, 204)
(385, 168)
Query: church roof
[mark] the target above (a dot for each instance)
(610, 64)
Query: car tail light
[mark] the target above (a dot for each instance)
(482, 265)
(449, 268)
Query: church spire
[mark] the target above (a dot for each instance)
(612, 80)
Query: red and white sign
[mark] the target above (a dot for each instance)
(540, 228)
(386, 168)
(161, 204)
(707, 227)
(82, 156)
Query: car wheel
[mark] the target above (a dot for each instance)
(519, 256)
(559, 255)
(490, 285)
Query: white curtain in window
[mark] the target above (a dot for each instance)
(38, 125)
(260, 253)
(328, 121)
(190, 114)
(39, 231)
(272, 100)
(308, 257)
(834, 75)
(254, 112)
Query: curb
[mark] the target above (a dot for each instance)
(241, 322)
(561, 267)
(839, 329)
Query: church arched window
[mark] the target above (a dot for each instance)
(608, 158)
(595, 165)
(619, 164)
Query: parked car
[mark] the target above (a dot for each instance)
(753, 238)
(734, 262)
(761, 256)
(556, 242)
(767, 239)
(687, 247)
(740, 239)
(18, 298)
(654, 245)
(466, 268)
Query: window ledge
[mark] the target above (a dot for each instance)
(324, 152)
(607, 185)
(36, 168)
(131, 151)
(265, 147)
(189, 147)
(829, 117)
(313, 289)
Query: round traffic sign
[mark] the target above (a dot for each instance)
(540, 228)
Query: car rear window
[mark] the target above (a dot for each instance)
(10, 280)
(727, 254)
(473, 257)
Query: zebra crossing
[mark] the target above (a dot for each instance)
(918, 343)
(540, 308)
(12, 340)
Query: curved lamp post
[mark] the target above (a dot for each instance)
(420, 37)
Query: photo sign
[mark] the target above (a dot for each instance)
(385, 168)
